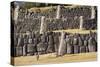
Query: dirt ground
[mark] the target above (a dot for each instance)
(51, 58)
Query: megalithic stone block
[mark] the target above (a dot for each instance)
(92, 12)
(62, 47)
(81, 22)
(58, 12)
(43, 25)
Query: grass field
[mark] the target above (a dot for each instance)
(51, 58)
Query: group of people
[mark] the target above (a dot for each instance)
(70, 11)
(54, 24)
(49, 42)
(34, 43)
(76, 11)
(69, 19)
